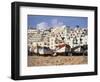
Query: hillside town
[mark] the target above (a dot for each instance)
(56, 40)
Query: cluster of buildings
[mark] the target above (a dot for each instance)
(57, 37)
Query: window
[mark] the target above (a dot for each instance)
(51, 46)
(51, 43)
(75, 41)
(52, 39)
(44, 43)
(80, 40)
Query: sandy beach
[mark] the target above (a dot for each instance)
(57, 60)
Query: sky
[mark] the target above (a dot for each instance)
(44, 21)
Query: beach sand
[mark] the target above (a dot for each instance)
(57, 60)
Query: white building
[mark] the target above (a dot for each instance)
(52, 44)
(32, 31)
(50, 38)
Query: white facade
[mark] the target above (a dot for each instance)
(52, 43)
(32, 31)
(41, 44)
(70, 36)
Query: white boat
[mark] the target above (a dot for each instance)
(43, 51)
(61, 50)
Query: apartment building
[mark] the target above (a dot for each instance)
(58, 35)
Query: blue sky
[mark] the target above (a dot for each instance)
(50, 21)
